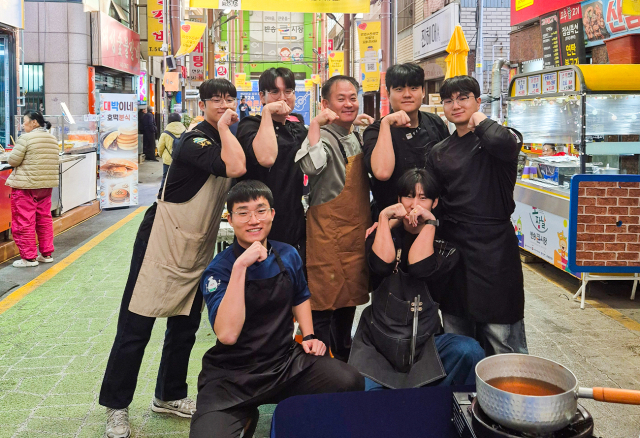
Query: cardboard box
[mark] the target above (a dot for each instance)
(434, 99)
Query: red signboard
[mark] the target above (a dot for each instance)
(330, 45)
(525, 10)
(119, 46)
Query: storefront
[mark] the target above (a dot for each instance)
(430, 39)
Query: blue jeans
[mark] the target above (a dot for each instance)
(495, 338)
(459, 356)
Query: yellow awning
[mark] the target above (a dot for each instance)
(611, 77)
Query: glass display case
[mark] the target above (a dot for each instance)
(582, 119)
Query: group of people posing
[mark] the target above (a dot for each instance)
(437, 236)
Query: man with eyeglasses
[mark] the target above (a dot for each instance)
(175, 242)
(270, 142)
(477, 168)
(401, 140)
(252, 290)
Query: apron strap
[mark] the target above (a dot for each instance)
(342, 151)
(358, 137)
(278, 259)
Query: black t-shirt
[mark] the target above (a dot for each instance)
(284, 178)
(410, 146)
(195, 158)
(244, 110)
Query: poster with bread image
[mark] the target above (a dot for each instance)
(118, 150)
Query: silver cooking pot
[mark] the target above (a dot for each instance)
(537, 414)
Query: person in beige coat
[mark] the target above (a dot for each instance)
(35, 162)
(174, 130)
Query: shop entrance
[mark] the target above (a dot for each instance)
(5, 84)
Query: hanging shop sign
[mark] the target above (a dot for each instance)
(342, 6)
(190, 35)
(431, 36)
(572, 35)
(116, 46)
(118, 150)
(525, 10)
(603, 19)
(221, 54)
(369, 36)
(12, 13)
(196, 62)
(141, 88)
(336, 63)
(550, 40)
(171, 81)
(155, 33)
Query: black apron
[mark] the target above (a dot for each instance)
(487, 283)
(381, 348)
(265, 354)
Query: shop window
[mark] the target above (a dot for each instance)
(32, 87)
(405, 15)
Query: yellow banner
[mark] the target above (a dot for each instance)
(369, 35)
(342, 6)
(241, 82)
(190, 34)
(336, 63)
(521, 4)
(308, 84)
(155, 19)
(316, 79)
(631, 7)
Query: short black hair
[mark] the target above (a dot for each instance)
(326, 87)
(460, 84)
(38, 117)
(217, 87)
(174, 117)
(551, 145)
(403, 75)
(407, 184)
(242, 98)
(248, 190)
(268, 79)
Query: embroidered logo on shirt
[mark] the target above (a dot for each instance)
(202, 142)
(212, 284)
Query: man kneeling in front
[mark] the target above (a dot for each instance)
(253, 290)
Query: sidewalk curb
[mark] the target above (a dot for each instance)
(14, 297)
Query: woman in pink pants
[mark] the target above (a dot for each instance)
(35, 162)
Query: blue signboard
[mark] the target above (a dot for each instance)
(302, 106)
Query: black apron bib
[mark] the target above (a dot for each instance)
(265, 354)
(381, 348)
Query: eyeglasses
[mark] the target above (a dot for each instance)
(219, 101)
(462, 100)
(245, 216)
(276, 93)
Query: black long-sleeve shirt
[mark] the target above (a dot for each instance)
(477, 173)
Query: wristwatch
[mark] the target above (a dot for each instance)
(435, 223)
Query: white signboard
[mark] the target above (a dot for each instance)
(431, 36)
(567, 81)
(534, 84)
(550, 82)
(521, 87)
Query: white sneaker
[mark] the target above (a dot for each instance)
(118, 423)
(182, 408)
(22, 263)
(44, 259)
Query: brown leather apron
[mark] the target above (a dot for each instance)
(181, 245)
(336, 261)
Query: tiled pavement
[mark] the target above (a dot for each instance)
(54, 345)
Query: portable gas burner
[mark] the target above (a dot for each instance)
(471, 422)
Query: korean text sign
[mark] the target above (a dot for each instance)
(119, 46)
(369, 37)
(342, 6)
(155, 21)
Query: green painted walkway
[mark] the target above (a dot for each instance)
(54, 346)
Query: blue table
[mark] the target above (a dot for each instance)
(422, 412)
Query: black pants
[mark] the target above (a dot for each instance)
(333, 327)
(149, 145)
(324, 376)
(132, 336)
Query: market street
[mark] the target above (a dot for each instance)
(56, 333)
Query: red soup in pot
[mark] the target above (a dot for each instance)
(525, 386)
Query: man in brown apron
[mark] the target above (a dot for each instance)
(175, 242)
(338, 215)
(252, 290)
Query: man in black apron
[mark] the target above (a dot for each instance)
(253, 290)
(398, 342)
(476, 167)
(175, 242)
(401, 140)
(270, 142)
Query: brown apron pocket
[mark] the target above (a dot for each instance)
(186, 248)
